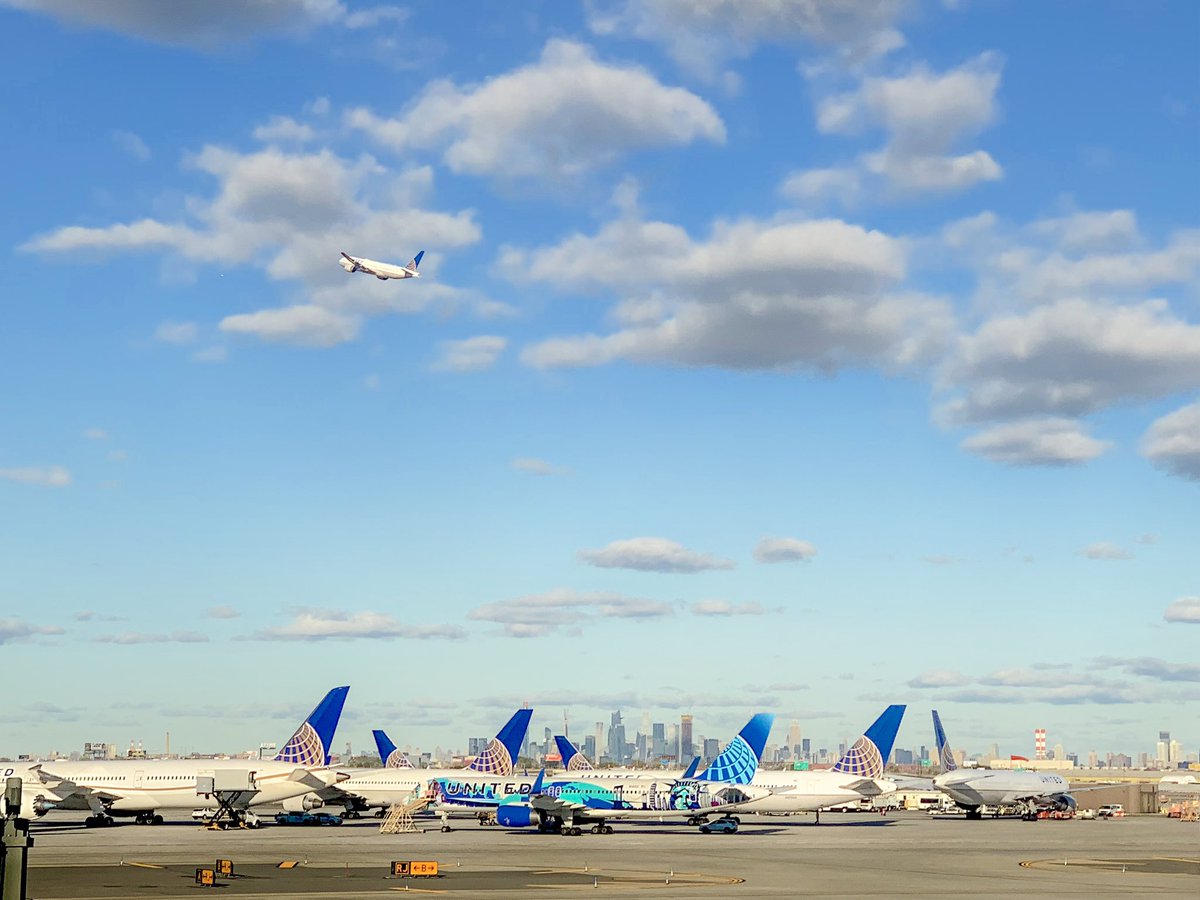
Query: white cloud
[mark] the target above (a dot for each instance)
(212, 23)
(331, 624)
(779, 550)
(131, 144)
(15, 630)
(1185, 609)
(1173, 442)
(138, 637)
(939, 678)
(1071, 357)
(540, 614)
(223, 611)
(924, 115)
(43, 476)
(1105, 230)
(176, 332)
(471, 354)
(702, 35)
(284, 130)
(1036, 442)
(214, 354)
(288, 214)
(535, 466)
(756, 295)
(561, 116)
(725, 608)
(95, 434)
(843, 185)
(652, 554)
(1105, 550)
(313, 326)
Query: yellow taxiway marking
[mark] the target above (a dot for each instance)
(138, 865)
(1178, 859)
(408, 890)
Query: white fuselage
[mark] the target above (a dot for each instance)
(380, 270)
(129, 786)
(996, 787)
(797, 791)
(386, 787)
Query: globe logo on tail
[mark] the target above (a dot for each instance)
(494, 760)
(304, 748)
(863, 759)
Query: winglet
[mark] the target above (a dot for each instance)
(870, 752)
(537, 784)
(691, 770)
(738, 762)
(500, 756)
(311, 743)
(945, 755)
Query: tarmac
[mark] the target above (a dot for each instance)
(847, 855)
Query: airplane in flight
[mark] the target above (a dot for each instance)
(141, 788)
(973, 789)
(381, 270)
(475, 789)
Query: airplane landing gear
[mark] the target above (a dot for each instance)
(148, 818)
(100, 820)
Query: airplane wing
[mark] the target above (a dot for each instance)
(358, 265)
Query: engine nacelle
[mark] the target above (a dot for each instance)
(303, 803)
(1063, 802)
(517, 815)
(35, 807)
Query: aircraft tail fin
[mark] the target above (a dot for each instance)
(691, 770)
(392, 758)
(500, 755)
(572, 759)
(870, 752)
(415, 261)
(738, 762)
(311, 743)
(946, 759)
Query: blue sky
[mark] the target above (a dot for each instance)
(765, 359)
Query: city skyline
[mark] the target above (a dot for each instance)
(765, 356)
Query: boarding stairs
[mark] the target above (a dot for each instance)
(399, 819)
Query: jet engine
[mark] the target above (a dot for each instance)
(35, 806)
(303, 803)
(1063, 802)
(517, 815)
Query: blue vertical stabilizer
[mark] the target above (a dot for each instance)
(311, 743)
(738, 762)
(500, 755)
(870, 752)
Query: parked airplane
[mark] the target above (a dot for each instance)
(388, 754)
(564, 805)
(142, 787)
(973, 789)
(857, 774)
(480, 785)
(381, 270)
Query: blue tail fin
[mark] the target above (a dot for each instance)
(500, 756)
(416, 261)
(572, 759)
(945, 754)
(311, 743)
(691, 770)
(536, 788)
(738, 762)
(870, 752)
(391, 757)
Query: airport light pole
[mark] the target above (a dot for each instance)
(14, 845)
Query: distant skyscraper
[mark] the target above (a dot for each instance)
(687, 749)
(599, 743)
(1163, 750)
(1059, 752)
(616, 739)
(794, 737)
(806, 749)
(658, 740)
(1039, 743)
(589, 747)
(712, 747)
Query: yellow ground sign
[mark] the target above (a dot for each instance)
(414, 868)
